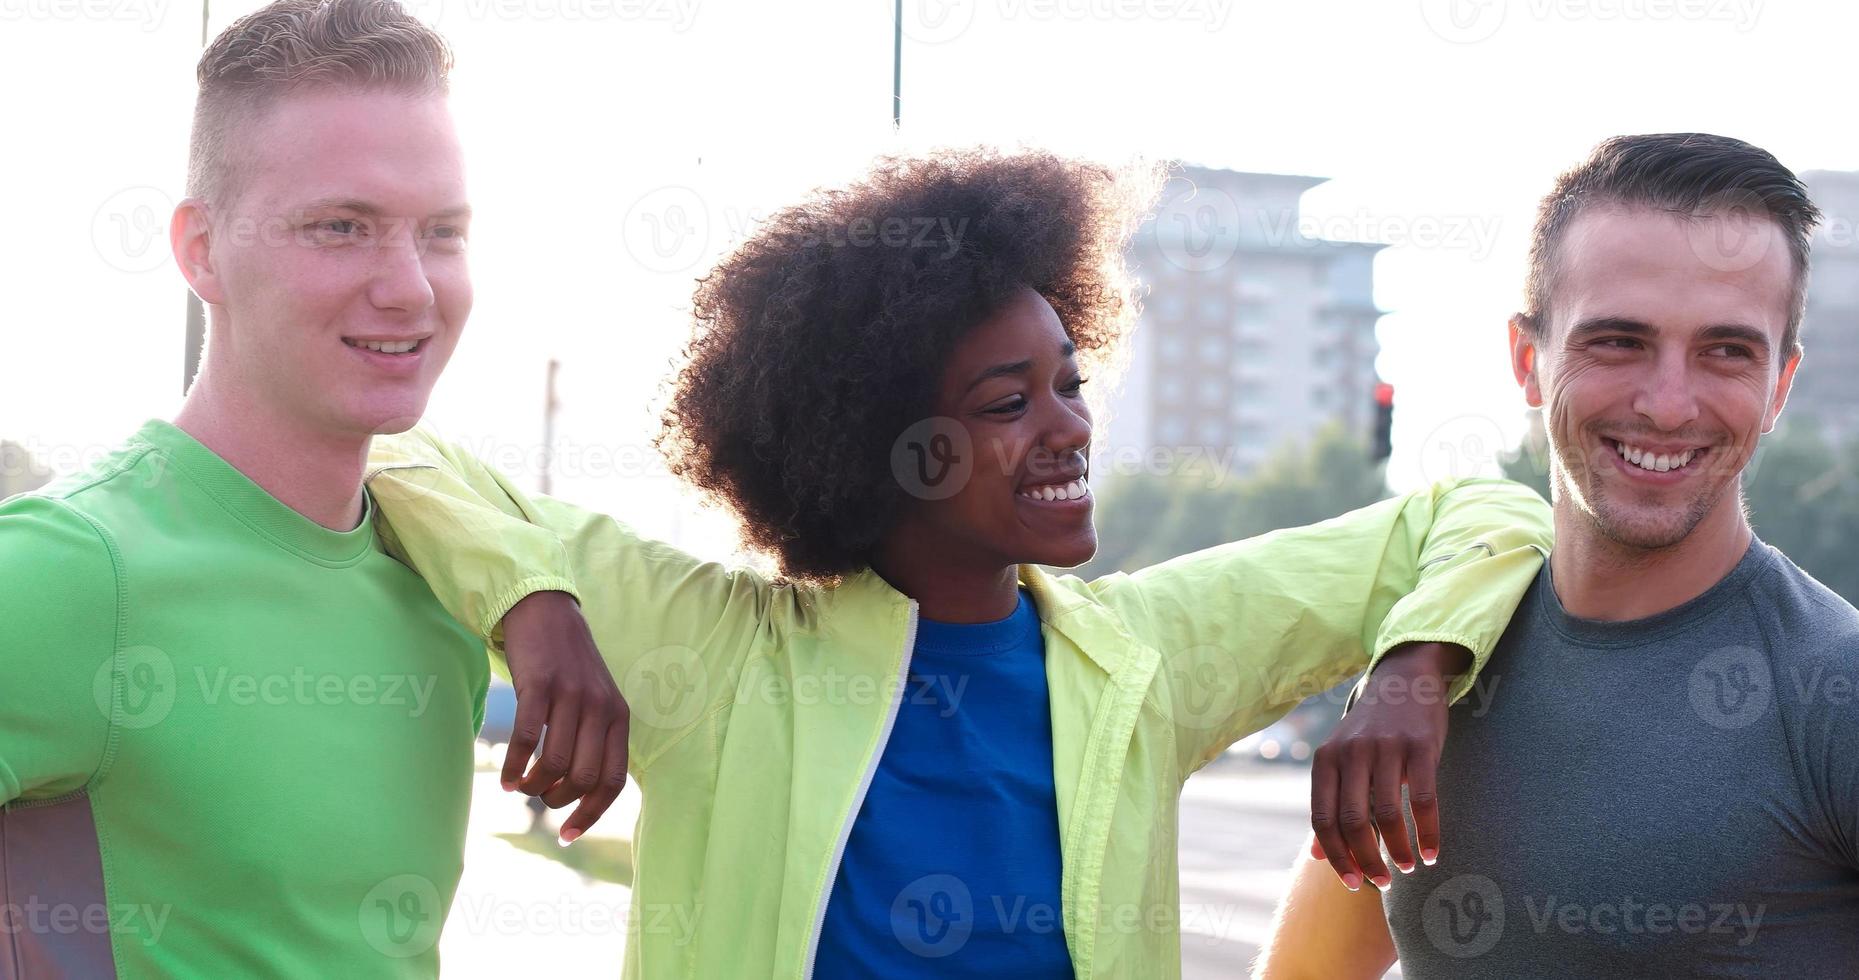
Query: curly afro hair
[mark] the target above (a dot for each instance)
(823, 336)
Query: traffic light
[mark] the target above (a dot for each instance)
(1381, 438)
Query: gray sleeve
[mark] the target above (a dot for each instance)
(1819, 690)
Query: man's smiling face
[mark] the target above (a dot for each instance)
(1661, 365)
(342, 262)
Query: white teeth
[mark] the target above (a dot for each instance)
(386, 347)
(1067, 491)
(1656, 462)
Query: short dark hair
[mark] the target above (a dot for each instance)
(1691, 174)
(824, 335)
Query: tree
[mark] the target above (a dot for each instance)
(1803, 499)
(1150, 518)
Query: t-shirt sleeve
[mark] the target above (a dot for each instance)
(1821, 690)
(60, 669)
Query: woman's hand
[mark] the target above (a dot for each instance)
(561, 681)
(1390, 738)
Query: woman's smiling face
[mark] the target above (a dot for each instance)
(1010, 393)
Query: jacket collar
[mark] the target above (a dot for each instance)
(1064, 604)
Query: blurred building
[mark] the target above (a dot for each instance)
(1252, 334)
(1825, 387)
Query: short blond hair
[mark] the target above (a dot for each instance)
(294, 45)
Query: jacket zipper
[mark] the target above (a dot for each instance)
(864, 786)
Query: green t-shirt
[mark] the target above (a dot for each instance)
(232, 742)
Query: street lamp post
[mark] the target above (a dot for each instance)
(196, 332)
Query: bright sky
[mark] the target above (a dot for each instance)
(594, 125)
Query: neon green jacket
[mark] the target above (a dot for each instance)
(760, 709)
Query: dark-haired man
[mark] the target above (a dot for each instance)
(1694, 682)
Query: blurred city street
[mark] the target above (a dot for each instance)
(1242, 822)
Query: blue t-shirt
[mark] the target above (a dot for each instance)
(952, 867)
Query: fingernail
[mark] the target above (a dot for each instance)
(508, 785)
(1406, 869)
(1381, 881)
(1429, 855)
(569, 835)
(1353, 882)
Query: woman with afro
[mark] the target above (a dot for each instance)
(913, 751)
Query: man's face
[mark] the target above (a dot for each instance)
(349, 235)
(1661, 366)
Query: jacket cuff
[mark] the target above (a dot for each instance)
(491, 628)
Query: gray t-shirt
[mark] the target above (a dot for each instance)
(1676, 796)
